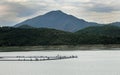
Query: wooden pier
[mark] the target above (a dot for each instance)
(34, 58)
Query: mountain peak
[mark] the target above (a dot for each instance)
(56, 12)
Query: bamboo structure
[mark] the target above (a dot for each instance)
(34, 58)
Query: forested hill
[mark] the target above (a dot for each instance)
(44, 36)
(106, 30)
(38, 36)
(107, 34)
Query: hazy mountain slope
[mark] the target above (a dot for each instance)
(116, 23)
(25, 26)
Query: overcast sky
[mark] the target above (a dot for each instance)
(100, 11)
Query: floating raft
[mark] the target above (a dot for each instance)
(34, 58)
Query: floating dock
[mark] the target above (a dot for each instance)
(34, 58)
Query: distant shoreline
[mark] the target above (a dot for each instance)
(61, 48)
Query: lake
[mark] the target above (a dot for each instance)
(88, 63)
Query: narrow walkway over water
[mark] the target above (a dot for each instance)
(34, 58)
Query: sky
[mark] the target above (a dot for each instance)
(100, 11)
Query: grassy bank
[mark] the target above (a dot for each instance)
(60, 48)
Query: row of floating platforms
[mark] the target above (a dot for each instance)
(34, 58)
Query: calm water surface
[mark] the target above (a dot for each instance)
(87, 63)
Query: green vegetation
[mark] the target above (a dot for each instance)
(29, 37)
(43, 36)
(107, 34)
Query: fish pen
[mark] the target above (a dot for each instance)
(34, 58)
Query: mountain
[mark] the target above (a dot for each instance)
(57, 20)
(106, 30)
(107, 34)
(34, 36)
(45, 36)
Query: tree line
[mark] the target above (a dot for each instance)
(10, 36)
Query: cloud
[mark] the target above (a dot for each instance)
(13, 11)
(101, 11)
(19, 9)
(101, 8)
